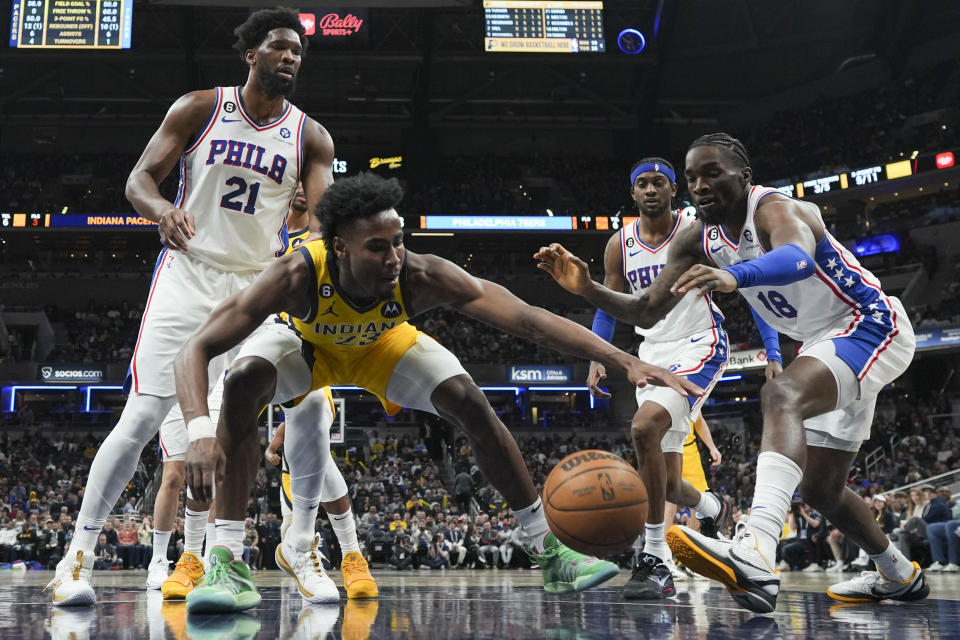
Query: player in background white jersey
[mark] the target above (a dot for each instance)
(689, 341)
(241, 152)
(777, 252)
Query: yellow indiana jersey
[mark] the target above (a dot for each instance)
(352, 345)
(692, 464)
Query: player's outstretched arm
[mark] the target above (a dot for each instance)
(495, 305)
(572, 274)
(317, 172)
(183, 122)
(604, 324)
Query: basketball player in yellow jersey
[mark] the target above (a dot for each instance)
(350, 296)
(692, 465)
(241, 151)
(315, 585)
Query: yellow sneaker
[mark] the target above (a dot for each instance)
(356, 577)
(187, 574)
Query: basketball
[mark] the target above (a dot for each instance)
(595, 502)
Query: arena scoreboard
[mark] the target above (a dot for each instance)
(543, 26)
(71, 24)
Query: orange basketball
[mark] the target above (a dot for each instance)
(595, 502)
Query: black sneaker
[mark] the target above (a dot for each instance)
(711, 527)
(651, 580)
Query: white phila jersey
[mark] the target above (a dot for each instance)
(806, 309)
(238, 179)
(641, 266)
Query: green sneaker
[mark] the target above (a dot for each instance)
(566, 570)
(227, 587)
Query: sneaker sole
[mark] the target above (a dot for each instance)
(221, 603)
(582, 583)
(653, 595)
(362, 591)
(76, 600)
(307, 595)
(703, 562)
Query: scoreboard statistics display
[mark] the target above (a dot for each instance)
(543, 26)
(71, 24)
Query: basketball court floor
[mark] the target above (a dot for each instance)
(495, 605)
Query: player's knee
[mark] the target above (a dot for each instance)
(645, 434)
(250, 380)
(172, 477)
(460, 400)
(779, 395)
(819, 495)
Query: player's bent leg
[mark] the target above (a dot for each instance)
(896, 578)
(113, 466)
(459, 400)
(357, 580)
(307, 446)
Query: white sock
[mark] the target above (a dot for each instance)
(655, 542)
(194, 529)
(210, 539)
(85, 535)
(230, 535)
(161, 540)
(892, 564)
(302, 530)
(777, 479)
(345, 527)
(708, 506)
(534, 523)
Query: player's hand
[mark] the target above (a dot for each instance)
(597, 373)
(774, 368)
(272, 457)
(568, 270)
(205, 461)
(715, 456)
(176, 226)
(641, 374)
(706, 279)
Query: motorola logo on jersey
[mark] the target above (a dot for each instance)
(236, 153)
(391, 309)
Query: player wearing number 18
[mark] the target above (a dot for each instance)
(241, 152)
(777, 252)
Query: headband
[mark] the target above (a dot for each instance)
(653, 166)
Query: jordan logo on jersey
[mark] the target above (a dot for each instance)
(644, 276)
(237, 153)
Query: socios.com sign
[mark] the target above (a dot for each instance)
(539, 373)
(71, 373)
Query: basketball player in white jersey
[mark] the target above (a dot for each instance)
(777, 252)
(690, 342)
(241, 152)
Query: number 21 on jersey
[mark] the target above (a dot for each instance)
(233, 200)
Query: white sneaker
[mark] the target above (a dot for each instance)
(783, 566)
(836, 567)
(157, 572)
(951, 568)
(813, 568)
(314, 583)
(737, 564)
(873, 586)
(936, 566)
(71, 584)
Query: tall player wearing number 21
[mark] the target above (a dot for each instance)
(241, 152)
(777, 252)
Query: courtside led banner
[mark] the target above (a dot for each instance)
(539, 373)
(50, 373)
(493, 223)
